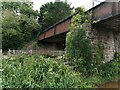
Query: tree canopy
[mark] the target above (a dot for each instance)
(20, 8)
(19, 24)
(52, 12)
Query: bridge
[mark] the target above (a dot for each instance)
(56, 31)
(55, 35)
(104, 29)
(107, 15)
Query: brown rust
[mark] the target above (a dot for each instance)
(56, 30)
(49, 33)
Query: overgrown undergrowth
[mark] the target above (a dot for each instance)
(35, 71)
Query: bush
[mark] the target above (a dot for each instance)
(38, 72)
(78, 47)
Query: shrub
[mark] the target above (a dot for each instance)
(78, 47)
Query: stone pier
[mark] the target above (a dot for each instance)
(109, 41)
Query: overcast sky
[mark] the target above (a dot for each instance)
(74, 3)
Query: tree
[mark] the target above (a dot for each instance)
(28, 27)
(11, 37)
(51, 13)
(19, 24)
(20, 7)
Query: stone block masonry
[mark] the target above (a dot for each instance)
(117, 42)
(108, 41)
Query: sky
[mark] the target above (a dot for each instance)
(74, 3)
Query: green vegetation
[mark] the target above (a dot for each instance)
(78, 47)
(79, 52)
(21, 21)
(38, 72)
(52, 12)
(35, 71)
(18, 24)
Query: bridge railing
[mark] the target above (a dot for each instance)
(40, 52)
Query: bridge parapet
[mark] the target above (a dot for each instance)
(105, 10)
(59, 28)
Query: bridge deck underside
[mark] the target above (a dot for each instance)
(111, 24)
(58, 38)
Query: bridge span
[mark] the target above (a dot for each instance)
(104, 29)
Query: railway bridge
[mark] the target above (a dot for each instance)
(104, 30)
(56, 34)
